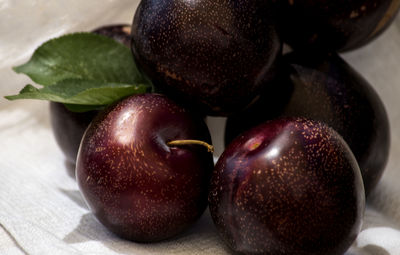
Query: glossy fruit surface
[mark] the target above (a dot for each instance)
(68, 128)
(327, 89)
(212, 55)
(336, 25)
(134, 183)
(288, 186)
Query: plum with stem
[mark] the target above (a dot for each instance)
(144, 166)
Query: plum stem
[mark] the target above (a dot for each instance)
(209, 147)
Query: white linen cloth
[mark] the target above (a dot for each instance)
(41, 209)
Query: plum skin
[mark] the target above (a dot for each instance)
(68, 128)
(119, 32)
(335, 25)
(288, 186)
(134, 183)
(211, 55)
(324, 87)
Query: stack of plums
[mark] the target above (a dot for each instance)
(307, 138)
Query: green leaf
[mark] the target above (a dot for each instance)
(81, 92)
(84, 71)
(82, 56)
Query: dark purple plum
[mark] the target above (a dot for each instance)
(327, 89)
(120, 33)
(135, 180)
(288, 186)
(335, 25)
(68, 127)
(213, 55)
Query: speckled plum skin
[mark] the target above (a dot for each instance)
(327, 89)
(335, 25)
(134, 183)
(213, 55)
(288, 186)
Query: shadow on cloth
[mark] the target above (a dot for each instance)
(370, 250)
(198, 239)
(76, 197)
(70, 169)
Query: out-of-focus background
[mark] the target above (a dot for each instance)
(41, 210)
